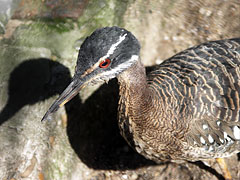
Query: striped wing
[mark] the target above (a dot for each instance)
(202, 84)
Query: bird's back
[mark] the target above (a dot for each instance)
(201, 86)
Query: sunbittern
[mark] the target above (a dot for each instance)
(186, 109)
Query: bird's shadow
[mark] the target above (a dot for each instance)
(32, 81)
(92, 126)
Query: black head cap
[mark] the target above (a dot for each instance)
(116, 44)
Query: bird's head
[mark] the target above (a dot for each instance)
(103, 55)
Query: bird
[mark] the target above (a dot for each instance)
(185, 109)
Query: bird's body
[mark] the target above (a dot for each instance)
(187, 108)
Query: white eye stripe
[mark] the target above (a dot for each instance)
(121, 67)
(114, 46)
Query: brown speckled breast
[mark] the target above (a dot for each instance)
(188, 107)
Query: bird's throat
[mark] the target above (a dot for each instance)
(135, 95)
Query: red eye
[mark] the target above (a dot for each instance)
(105, 63)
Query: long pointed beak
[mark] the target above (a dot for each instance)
(72, 90)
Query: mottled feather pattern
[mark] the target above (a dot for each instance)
(202, 84)
(195, 103)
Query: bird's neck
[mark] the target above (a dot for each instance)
(141, 111)
(135, 96)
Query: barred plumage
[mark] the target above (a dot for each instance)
(187, 108)
(196, 98)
